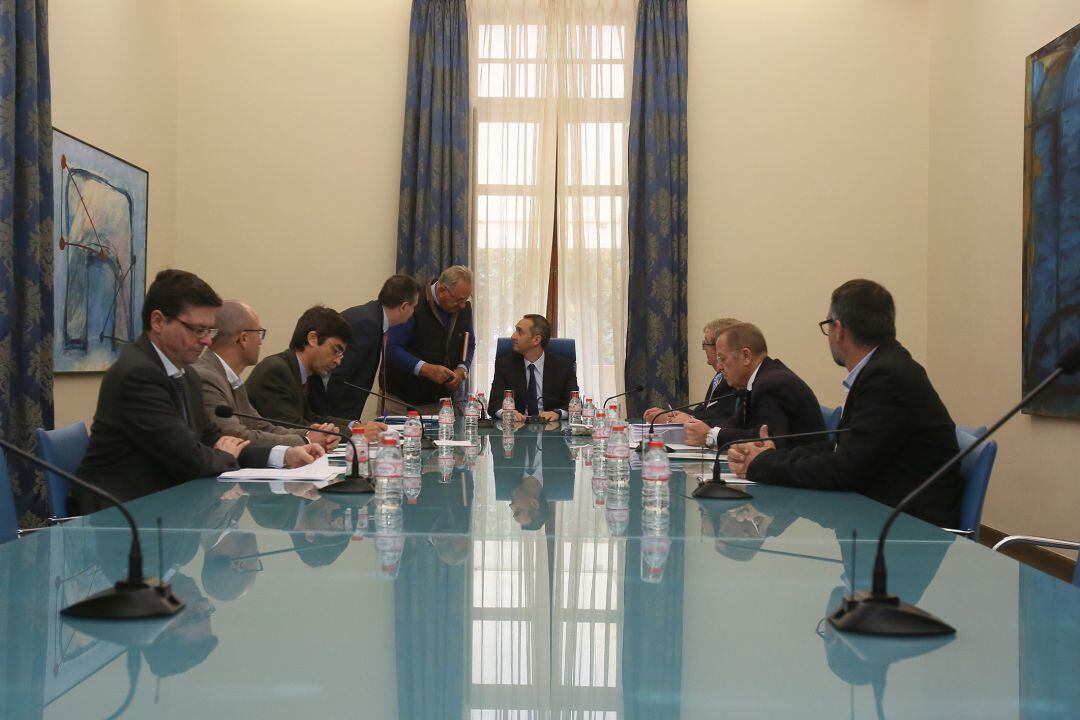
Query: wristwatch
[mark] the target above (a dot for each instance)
(710, 440)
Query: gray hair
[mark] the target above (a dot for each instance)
(454, 274)
(231, 319)
(713, 328)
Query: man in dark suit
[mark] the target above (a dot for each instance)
(150, 430)
(901, 431)
(370, 323)
(532, 471)
(541, 383)
(774, 396)
(720, 401)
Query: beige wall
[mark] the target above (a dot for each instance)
(113, 66)
(977, 63)
(808, 162)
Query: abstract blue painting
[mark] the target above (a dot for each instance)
(1051, 292)
(99, 234)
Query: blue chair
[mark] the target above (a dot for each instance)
(565, 347)
(831, 416)
(64, 448)
(973, 430)
(975, 470)
(9, 527)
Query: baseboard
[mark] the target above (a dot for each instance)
(1040, 558)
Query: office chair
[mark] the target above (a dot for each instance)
(63, 447)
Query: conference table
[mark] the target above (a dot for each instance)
(515, 584)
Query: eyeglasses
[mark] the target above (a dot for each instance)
(825, 324)
(339, 350)
(199, 331)
(706, 345)
(457, 300)
(260, 331)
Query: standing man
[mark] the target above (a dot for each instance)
(541, 383)
(773, 395)
(278, 385)
(150, 430)
(234, 349)
(900, 429)
(430, 355)
(370, 324)
(720, 400)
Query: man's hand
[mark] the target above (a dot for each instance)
(459, 377)
(372, 430)
(549, 415)
(667, 416)
(740, 456)
(695, 431)
(329, 442)
(301, 455)
(438, 374)
(651, 413)
(232, 445)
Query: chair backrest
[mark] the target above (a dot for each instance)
(9, 527)
(564, 347)
(64, 448)
(975, 470)
(1076, 572)
(974, 431)
(831, 416)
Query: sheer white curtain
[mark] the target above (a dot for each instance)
(551, 84)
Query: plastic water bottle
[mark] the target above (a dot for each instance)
(411, 483)
(655, 548)
(472, 419)
(588, 412)
(617, 509)
(618, 456)
(446, 420)
(446, 464)
(508, 409)
(388, 469)
(413, 431)
(508, 442)
(358, 448)
(574, 411)
(600, 432)
(655, 474)
(613, 411)
(389, 542)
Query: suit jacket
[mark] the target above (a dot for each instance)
(714, 410)
(361, 361)
(216, 390)
(901, 434)
(275, 389)
(779, 399)
(140, 442)
(560, 379)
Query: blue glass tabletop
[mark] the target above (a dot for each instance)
(304, 605)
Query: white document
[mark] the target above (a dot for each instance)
(316, 471)
(668, 432)
(689, 455)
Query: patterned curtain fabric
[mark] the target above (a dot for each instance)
(656, 340)
(433, 213)
(26, 254)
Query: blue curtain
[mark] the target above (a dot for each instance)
(656, 340)
(433, 211)
(26, 254)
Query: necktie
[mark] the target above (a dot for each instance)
(530, 396)
(715, 382)
(178, 383)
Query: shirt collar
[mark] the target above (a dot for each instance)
(539, 363)
(170, 369)
(435, 297)
(848, 381)
(753, 375)
(303, 371)
(385, 321)
(232, 377)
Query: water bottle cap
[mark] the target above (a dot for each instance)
(358, 430)
(618, 426)
(508, 393)
(389, 439)
(446, 401)
(656, 443)
(413, 412)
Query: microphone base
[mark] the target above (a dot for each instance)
(485, 423)
(349, 486)
(426, 443)
(868, 614)
(128, 601)
(713, 490)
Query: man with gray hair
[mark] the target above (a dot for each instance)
(234, 349)
(430, 355)
(720, 400)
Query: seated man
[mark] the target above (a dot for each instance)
(429, 356)
(901, 431)
(150, 430)
(279, 384)
(541, 383)
(774, 395)
(370, 324)
(234, 349)
(720, 401)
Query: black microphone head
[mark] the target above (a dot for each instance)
(223, 411)
(1070, 360)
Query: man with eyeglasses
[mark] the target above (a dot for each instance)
(234, 349)
(150, 429)
(430, 355)
(901, 432)
(280, 384)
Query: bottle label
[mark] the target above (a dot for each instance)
(412, 431)
(388, 469)
(617, 452)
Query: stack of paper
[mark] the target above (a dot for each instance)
(668, 432)
(315, 472)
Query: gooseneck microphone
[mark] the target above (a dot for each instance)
(725, 396)
(717, 489)
(132, 598)
(353, 483)
(639, 388)
(878, 612)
